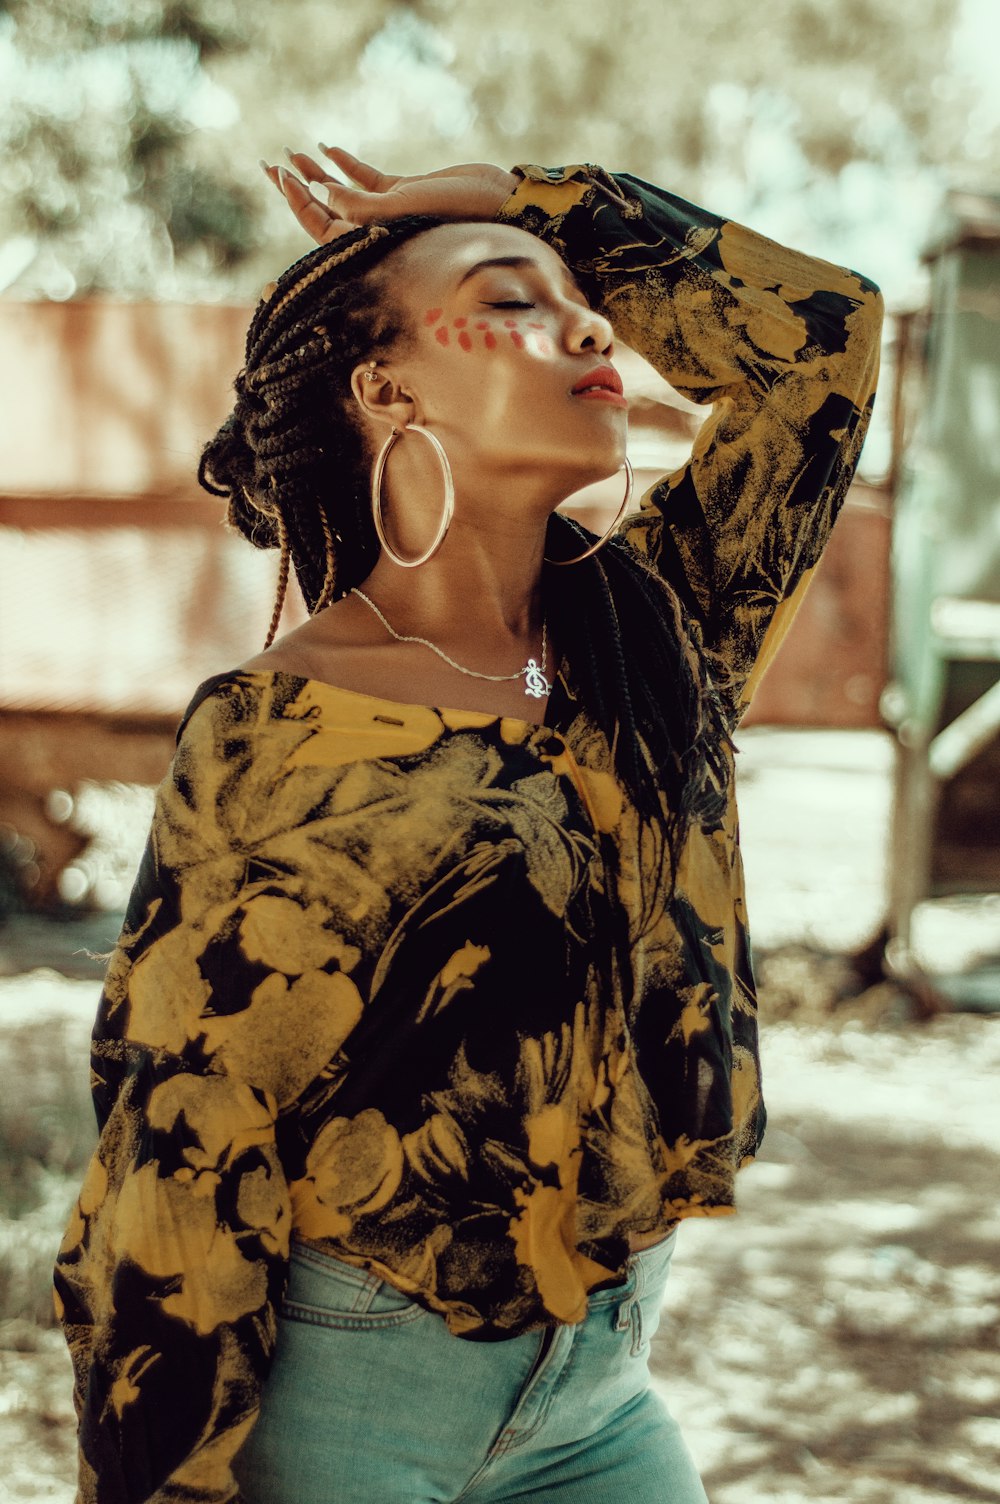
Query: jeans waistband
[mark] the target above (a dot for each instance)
(643, 1269)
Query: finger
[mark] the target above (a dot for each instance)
(364, 173)
(308, 168)
(315, 218)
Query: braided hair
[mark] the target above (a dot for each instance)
(293, 461)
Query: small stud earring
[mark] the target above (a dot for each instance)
(371, 374)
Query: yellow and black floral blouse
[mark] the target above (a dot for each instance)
(364, 994)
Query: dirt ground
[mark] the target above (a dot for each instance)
(838, 1339)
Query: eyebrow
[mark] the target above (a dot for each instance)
(518, 263)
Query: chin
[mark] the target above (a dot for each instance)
(601, 488)
(605, 464)
(575, 463)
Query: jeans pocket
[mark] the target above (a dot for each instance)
(326, 1291)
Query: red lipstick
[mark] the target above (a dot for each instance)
(601, 385)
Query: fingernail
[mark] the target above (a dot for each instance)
(282, 175)
(289, 154)
(264, 166)
(322, 146)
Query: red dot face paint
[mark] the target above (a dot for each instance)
(543, 344)
(441, 335)
(510, 323)
(490, 341)
(465, 340)
(432, 315)
(460, 323)
(536, 326)
(482, 326)
(516, 339)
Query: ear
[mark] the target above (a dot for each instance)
(381, 398)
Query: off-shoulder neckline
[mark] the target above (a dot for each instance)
(406, 706)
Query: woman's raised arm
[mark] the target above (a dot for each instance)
(785, 349)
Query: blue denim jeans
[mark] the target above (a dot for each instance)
(371, 1400)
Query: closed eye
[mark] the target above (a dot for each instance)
(510, 303)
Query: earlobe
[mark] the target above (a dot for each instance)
(380, 397)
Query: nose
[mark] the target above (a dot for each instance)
(586, 329)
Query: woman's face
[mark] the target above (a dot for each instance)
(507, 364)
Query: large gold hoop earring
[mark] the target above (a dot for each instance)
(589, 552)
(449, 496)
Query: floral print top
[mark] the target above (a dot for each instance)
(366, 993)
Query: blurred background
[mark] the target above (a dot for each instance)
(838, 1340)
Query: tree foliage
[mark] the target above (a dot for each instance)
(101, 102)
(129, 128)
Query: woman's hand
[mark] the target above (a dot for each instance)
(473, 190)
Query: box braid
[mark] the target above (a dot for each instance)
(292, 459)
(292, 453)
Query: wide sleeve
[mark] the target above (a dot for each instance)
(175, 1259)
(785, 350)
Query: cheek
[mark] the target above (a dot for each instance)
(482, 335)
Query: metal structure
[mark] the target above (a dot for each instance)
(943, 699)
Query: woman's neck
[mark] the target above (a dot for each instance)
(477, 588)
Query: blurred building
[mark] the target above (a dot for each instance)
(943, 699)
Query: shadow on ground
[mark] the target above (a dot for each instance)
(838, 1341)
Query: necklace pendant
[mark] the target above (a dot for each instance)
(535, 682)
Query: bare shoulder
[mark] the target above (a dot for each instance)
(280, 658)
(316, 649)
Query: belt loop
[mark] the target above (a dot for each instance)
(623, 1315)
(636, 1329)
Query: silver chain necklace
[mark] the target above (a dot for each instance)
(535, 682)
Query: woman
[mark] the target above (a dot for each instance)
(432, 1016)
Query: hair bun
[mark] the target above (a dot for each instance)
(227, 463)
(227, 468)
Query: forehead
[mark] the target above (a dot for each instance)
(439, 258)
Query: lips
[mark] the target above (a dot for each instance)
(604, 383)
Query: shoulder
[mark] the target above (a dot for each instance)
(311, 649)
(221, 706)
(247, 692)
(284, 657)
